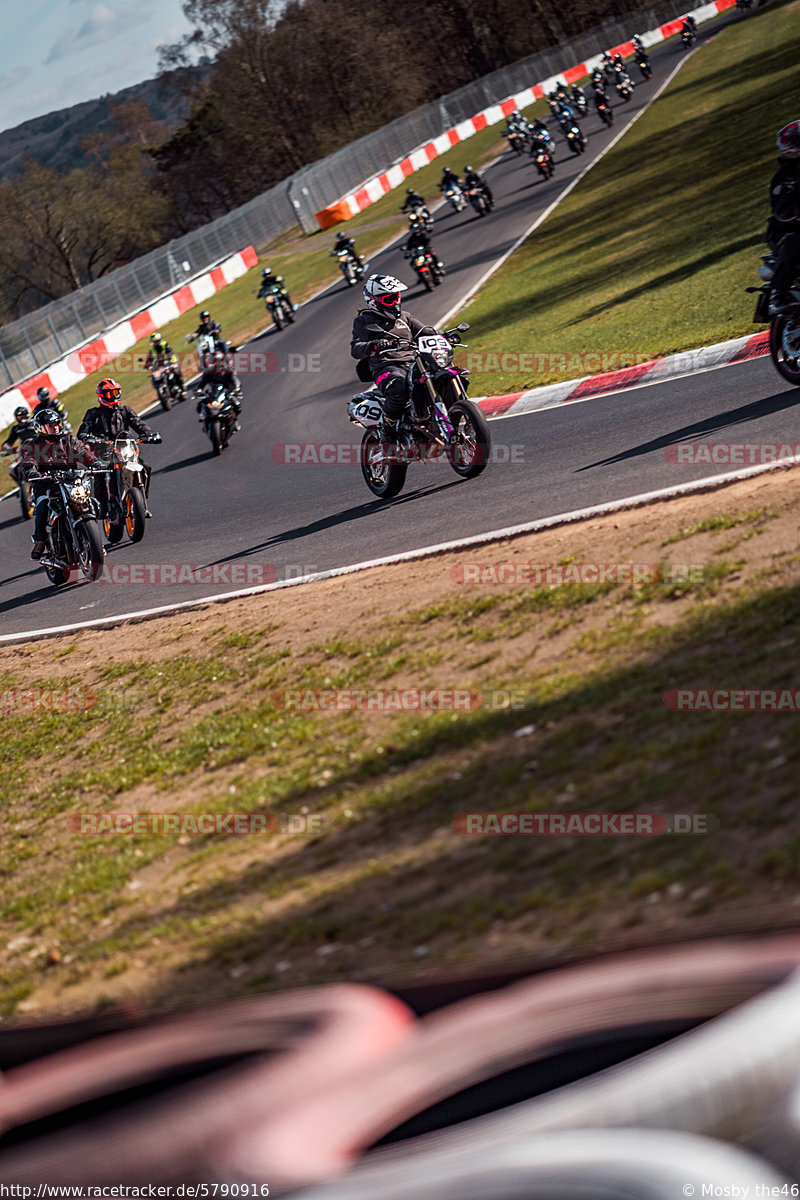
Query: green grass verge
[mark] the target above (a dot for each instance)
(651, 252)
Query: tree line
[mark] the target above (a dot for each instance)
(287, 84)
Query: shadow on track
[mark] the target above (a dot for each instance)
(368, 509)
(736, 416)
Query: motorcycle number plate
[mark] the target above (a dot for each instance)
(430, 342)
(368, 412)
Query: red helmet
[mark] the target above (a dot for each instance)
(789, 140)
(109, 392)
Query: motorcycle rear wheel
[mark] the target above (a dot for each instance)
(788, 367)
(384, 479)
(473, 441)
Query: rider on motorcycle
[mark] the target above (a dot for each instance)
(413, 200)
(219, 374)
(783, 227)
(51, 446)
(449, 179)
(161, 354)
(269, 280)
(343, 242)
(473, 179)
(418, 240)
(21, 429)
(577, 96)
(383, 335)
(689, 26)
(207, 326)
(111, 420)
(44, 400)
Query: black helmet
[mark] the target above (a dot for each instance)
(21, 413)
(43, 395)
(409, 191)
(205, 315)
(48, 421)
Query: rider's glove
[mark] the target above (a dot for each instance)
(383, 344)
(154, 438)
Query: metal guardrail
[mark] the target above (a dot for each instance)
(38, 339)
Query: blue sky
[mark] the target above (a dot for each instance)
(54, 53)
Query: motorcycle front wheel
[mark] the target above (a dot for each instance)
(786, 365)
(277, 317)
(384, 479)
(135, 508)
(89, 545)
(472, 442)
(426, 279)
(214, 437)
(165, 398)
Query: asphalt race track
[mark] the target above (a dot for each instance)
(281, 521)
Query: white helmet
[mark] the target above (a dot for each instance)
(377, 291)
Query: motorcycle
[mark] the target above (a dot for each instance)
(169, 386)
(455, 197)
(579, 100)
(428, 430)
(643, 63)
(688, 38)
(18, 474)
(479, 200)
(517, 141)
(125, 489)
(544, 162)
(624, 86)
(207, 345)
(351, 271)
(425, 218)
(219, 417)
(576, 139)
(604, 110)
(72, 530)
(427, 268)
(784, 327)
(279, 307)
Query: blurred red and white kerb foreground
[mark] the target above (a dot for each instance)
(83, 360)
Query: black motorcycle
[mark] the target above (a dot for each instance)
(688, 38)
(576, 139)
(18, 473)
(579, 100)
(278, 306)
(168, 382)
(427, 268)
(438, 423)
(784, 327)
(73, 541)
(517, 141)
(478, 199)
(643, 63)
(219, 416)
(604, 109)
(624, 85)
(543, 160)
(352, 271)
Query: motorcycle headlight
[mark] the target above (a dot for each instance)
(80, 495)
(766, 272)
(442, 357)
(128, 453)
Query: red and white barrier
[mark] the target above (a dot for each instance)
(66, 372)
(373, 189)
(512, 404)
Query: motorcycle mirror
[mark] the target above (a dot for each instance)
(463, 327)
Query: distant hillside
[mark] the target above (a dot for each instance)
(55, 139)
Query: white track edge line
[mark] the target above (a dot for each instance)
(707, 484)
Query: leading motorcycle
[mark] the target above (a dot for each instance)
(438, 422)
(278, 306)
(478, 199)
(455, 197)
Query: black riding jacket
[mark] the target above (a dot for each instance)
(109, 423)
